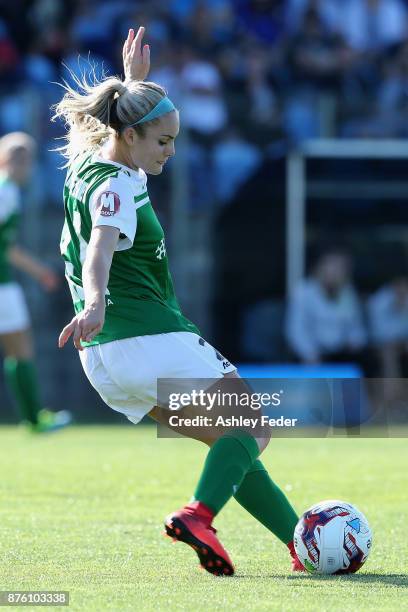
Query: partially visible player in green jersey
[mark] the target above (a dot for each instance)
(17, 151)
(128, 326)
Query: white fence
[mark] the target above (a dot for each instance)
(299, 188)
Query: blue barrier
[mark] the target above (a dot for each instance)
(293, 370)
(327, 394)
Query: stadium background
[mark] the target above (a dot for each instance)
(254, 80)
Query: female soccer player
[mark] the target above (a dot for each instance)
(17, 151)
(128, 326)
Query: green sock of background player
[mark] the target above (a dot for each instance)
(21, 377)
(262, 498)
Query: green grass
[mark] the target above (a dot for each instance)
(82, 511)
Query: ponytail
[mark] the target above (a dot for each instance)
(99, 110)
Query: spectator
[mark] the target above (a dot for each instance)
(371, 25)
(324, 318)
(388, 315)
(91, 31)
(263, 20)
(393, 96)
(206, 32)
(388, 113)
(366, 25)
(262, 102)
(205, 116)
(318, 59)
(182, 10)
(204, 109)
(9, 58)
(329, 12)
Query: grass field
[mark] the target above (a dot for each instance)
(82, 511)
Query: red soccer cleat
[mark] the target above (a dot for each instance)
(192, 525)
(297, 566)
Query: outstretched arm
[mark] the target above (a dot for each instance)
(136, 59)
(22, 260)
(95, 275)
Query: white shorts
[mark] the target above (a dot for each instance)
(125, 372)
(14, 315)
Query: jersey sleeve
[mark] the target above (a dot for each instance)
(9, 202)
(114, 204)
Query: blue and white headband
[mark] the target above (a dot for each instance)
(162, 108)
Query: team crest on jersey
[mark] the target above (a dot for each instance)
(161, 250)
(109, 203)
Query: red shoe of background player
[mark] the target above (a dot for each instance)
(297, 566)
(192, 525)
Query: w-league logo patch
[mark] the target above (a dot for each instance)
(108, 203)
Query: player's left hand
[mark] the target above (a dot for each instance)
(136, 60)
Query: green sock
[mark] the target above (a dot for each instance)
(21, 378)
(227, 462)
(262, 498)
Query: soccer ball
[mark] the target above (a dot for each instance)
(333, 537)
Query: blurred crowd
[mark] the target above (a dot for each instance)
(252, 75)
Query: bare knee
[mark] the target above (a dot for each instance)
(265, 437)
(263, 442)
(161, 416)
(17, 344)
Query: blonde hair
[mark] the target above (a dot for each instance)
(101, 109)
(14, 142)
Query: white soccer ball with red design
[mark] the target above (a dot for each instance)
(333, 537)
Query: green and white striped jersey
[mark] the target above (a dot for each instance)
(9, 220)
(140, 298)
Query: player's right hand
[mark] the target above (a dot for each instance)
(136, 59)
(83, 327)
